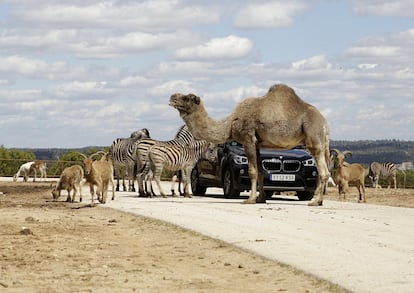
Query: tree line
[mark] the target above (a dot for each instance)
(363, 152)
(11, 159)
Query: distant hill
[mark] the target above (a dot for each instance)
(56, 153)
(363, 151)
(367, 151)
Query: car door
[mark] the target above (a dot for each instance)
(209, 170)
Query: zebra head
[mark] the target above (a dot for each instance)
(139, 134)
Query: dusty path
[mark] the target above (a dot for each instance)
(75, 248)
(362, 247)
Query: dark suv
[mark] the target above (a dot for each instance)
(291, 170)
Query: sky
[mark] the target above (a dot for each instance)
(83, 73)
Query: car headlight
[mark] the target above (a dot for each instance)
(240, 160)
(309, 162)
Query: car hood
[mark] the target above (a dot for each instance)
(298, 154)
(293, 153)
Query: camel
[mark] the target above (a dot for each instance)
(278, 120)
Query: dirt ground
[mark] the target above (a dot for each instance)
(51, 246)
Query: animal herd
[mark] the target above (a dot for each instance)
(279, 119)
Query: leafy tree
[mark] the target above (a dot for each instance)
(69, 159)
(10, 160)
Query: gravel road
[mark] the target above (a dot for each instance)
(361, 247)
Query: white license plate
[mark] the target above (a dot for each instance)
(282, 177)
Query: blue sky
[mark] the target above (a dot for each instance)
(80, 73)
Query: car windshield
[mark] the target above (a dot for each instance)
(235, 143)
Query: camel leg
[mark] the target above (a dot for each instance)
(323, 176)
(250, 150)
(262, 195)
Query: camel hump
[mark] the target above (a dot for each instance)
(282, 92)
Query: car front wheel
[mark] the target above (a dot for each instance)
(229, 188)
(196, 188)
(305, 195)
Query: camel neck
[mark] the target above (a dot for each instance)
(204, 127)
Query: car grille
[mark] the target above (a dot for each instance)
(276, 165)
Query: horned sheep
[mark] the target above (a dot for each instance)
(70, 179)
(38, 166)
(99, 173)
(349, 173)
(31, 167)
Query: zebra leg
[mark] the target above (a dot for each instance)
(132, 176)
(157, 176)
(124, 188)
(117, 177)
(180, 179)
(149, 191)
(186, 179)
(113, 187)
(132, 185)
(173, 182)
(141, 191)
(158, 182)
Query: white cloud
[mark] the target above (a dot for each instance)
(374, 51)
(151, 16)
(230, 47)
(95, 70)
(135, 80)
(316, 62)
(93, 43)
(367, 66)
(385, 7)
(22, 65)
(268, 14)
(165, 90)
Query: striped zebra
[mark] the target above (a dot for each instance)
(179, 157)
(182, 137)
(122, 154)
(386, 170)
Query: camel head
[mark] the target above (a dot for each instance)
(185, 104)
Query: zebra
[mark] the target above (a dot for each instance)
(179, 157)
(386, 170)
(122, 154)
(182, 137)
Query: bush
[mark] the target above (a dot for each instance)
(11, 160)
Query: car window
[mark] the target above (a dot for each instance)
(235, 143)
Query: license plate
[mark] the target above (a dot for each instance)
(282, 177)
